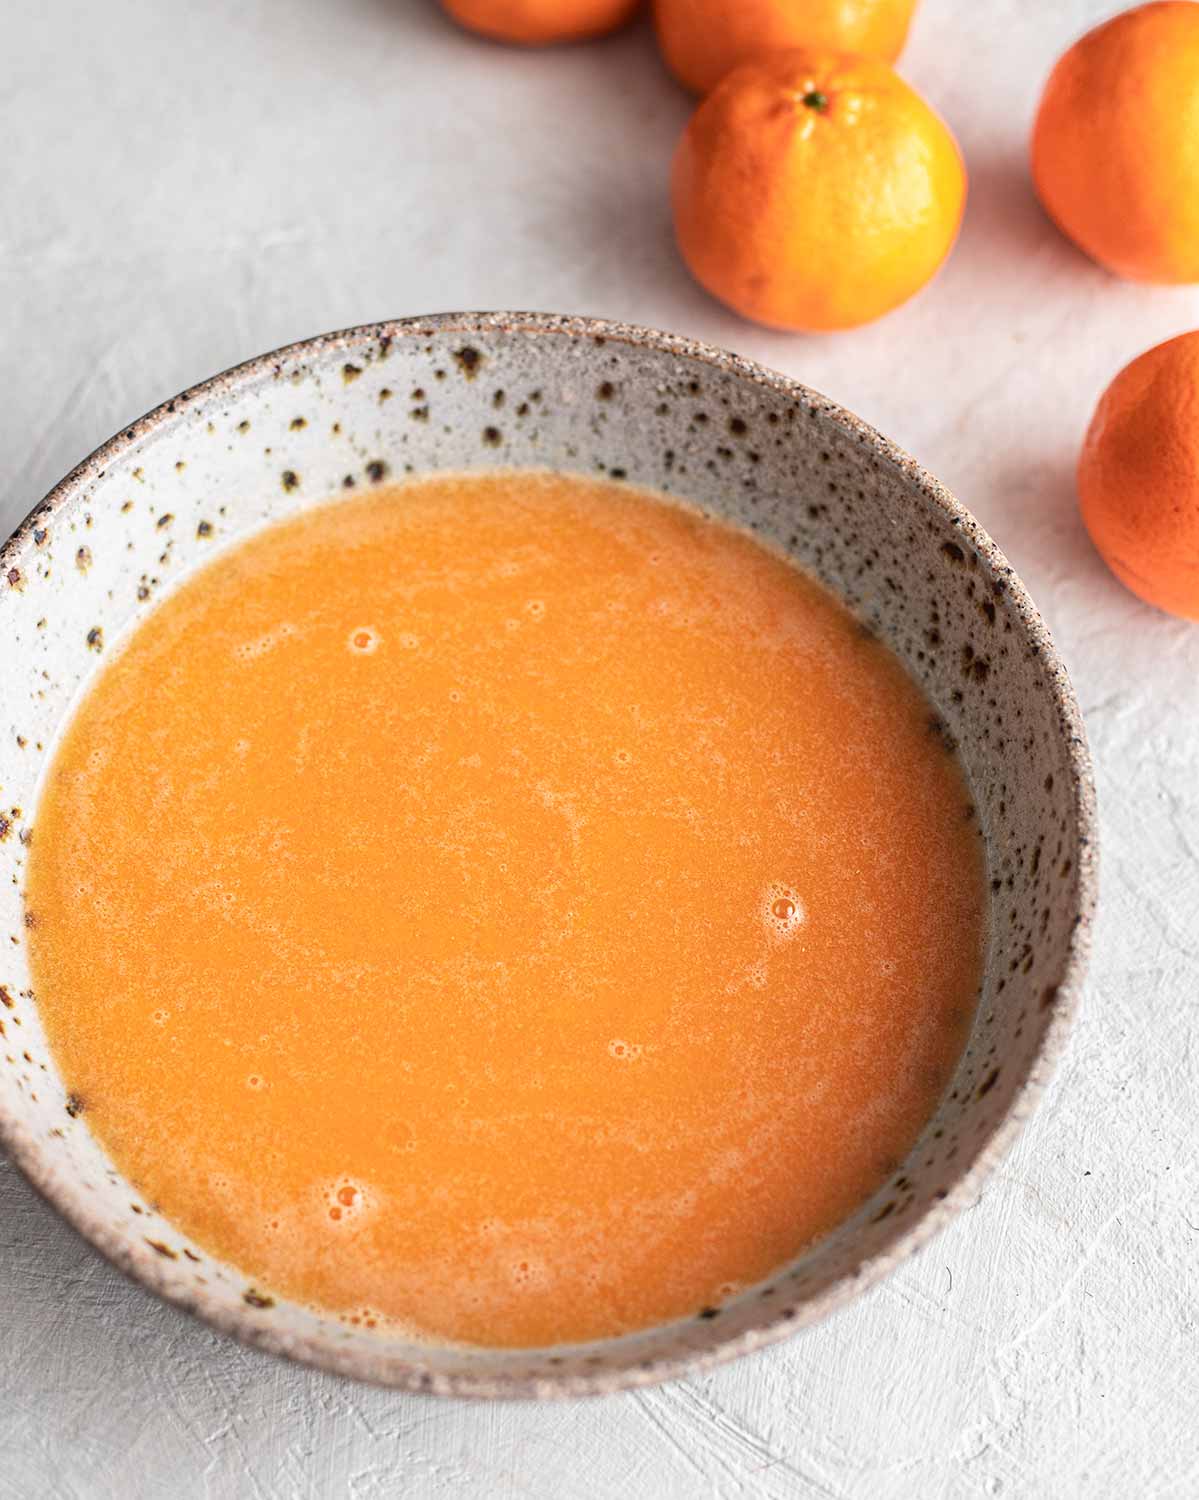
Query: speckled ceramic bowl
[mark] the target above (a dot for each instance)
(350, 410)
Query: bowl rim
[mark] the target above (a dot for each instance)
(977, 1166)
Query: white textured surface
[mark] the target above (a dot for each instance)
(182, 186)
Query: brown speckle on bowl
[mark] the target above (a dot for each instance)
(989, 1082)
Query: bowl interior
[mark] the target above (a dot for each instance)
(342, 413)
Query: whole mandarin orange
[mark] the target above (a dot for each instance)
(1115, 147)
(702, 40)
(815, 191)
(538, 23)
(1138, 476)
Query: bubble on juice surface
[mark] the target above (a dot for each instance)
(347, 1201)
(252, 650)
(530, 1271)
(783, 910)
(265, 643)
(535, 608)
(399, 1136)
(160, 1017)
(363, 1317)
(256, 1081)
(363, 640)
(754, 976)
(409, 641)
(98, 900)
(624, 1051)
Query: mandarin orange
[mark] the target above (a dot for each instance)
(1115, 148)
(702, 40)
(815, 191)
(1138, 476)
(539, 23)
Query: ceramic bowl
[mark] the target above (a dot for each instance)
(338, 414)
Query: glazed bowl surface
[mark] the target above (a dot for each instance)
(340, 413)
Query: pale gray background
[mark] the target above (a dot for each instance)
(183, 185)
